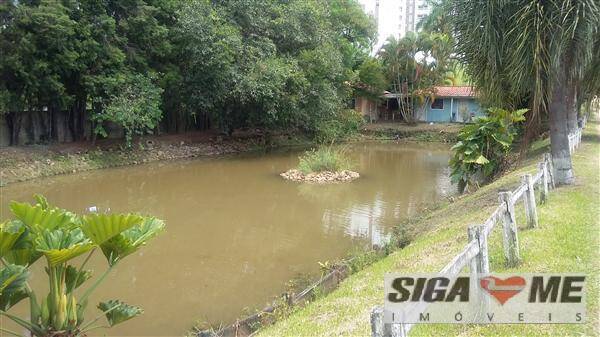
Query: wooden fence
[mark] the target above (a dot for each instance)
(475, 254)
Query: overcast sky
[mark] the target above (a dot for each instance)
(388, 18)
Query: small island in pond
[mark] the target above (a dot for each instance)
(322, 166)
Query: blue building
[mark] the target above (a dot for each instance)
(451, 104)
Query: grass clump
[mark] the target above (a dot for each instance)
(325, 158)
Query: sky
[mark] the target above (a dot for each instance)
(388, 18)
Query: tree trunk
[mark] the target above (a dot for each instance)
(54, 111)
(13, 119)
(559, 141)
(571, 108)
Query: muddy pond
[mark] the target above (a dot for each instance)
(236, 231)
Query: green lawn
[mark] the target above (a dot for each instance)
(566, 240)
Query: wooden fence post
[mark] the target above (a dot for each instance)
(572, 140)
(543, 166)
(550, 167)
(529, 201)
(377, 322)
(479, 265)
(379, 329)
(510, 238)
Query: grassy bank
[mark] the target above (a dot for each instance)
(421, 132)
(566, 240)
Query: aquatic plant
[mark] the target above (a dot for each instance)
(59, 236)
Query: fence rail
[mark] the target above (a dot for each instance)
(475, 253)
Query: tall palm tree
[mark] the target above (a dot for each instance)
(536, 51)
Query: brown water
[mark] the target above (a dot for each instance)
(236, 231)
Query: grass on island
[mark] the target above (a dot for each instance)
(567, 240)
(325, 158)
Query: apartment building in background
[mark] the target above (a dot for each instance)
(395, 17)
(410, 13)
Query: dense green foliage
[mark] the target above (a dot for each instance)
(537, 54)
(346, 124)
(414, 65)
(483, 146)
(41, 230)
(227, 64)
(325, 158)
(372, 81)
(136, 108)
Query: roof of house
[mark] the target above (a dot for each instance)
(455, 91)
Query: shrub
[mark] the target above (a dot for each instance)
(326, 158)
(136, 108)
(346, 124)
(59, 236)
(483, 145)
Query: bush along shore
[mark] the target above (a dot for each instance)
(566, 240)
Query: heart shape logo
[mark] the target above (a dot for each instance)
(502, 290)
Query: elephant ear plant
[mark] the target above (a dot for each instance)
(56, 237)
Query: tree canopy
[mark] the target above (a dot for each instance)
(222, 63)
(543, 55)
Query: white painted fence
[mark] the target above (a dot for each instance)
(475, 254)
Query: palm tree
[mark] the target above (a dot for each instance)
(438, 20)
(414, 64)
(534, 51)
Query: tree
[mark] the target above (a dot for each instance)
(136, 107)
(414, 65)
(531, 51)
(37, 45)
(371, 78)
(438, 19)
(276, 65)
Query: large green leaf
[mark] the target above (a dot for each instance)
(23, 257)
(502, 139)
(132, 239)
(42, 201)
(102, 227)
(10, 299)
(23, 252)
(10, 232)
(62, 245)
(117, 312)
(39, 218)
(13, 280)
(75, 278)
(479, 160)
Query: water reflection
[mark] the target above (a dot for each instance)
(236, 231)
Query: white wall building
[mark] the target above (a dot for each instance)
(395, 17)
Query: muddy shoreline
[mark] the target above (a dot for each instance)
(22, 163)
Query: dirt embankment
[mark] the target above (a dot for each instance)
(34, 161)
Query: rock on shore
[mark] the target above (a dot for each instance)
(324, 177)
